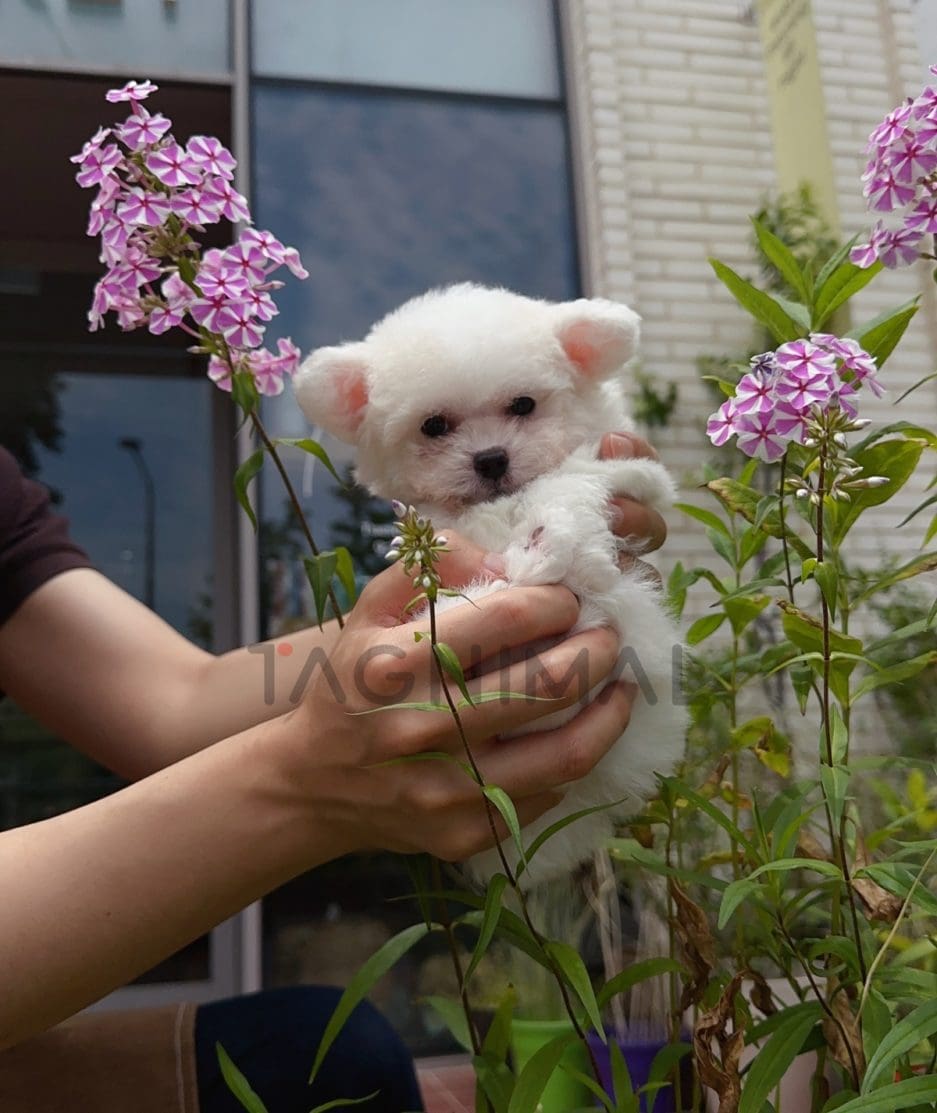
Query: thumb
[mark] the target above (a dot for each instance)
(384, 600)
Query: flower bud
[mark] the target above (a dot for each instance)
(801, 492)
(391, 555)
(427, 581)
(875, 481)
(810, 442)
(442, 540)
(398, 508)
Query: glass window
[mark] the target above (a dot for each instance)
(486, 46)
(149, 36)
(385, 196)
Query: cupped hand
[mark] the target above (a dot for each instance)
(391, 775)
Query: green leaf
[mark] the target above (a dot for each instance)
(558, 826)
(796, 311)
(785, 865)
(895, 674)
(839, 736)
(537, 1072)
(705, 516)
(895, 460)
(911, 389)
(740, 499)
(505, 806)
(835, 261)
(313, 448)
(495, 1080)
(372, 970)
(345, 570)
(907, 1034)
(773, 1060)
(760, 305)
(639, 972)
(827, 578)
(498, 1037)
(783, 259)
(446, 656)
(703, 627)
(490, 917)
(570, 963)
(702, 804)
(835, 782)
(342, 1103)
(899, 1095)
(237, 1083)
(916, 567)
(743, 611)
(319, 572)
(735, 893)
(661, 1068)
(242, 478)
(846, 280)
(880, 335)
(626, 1100)
(453, 1016)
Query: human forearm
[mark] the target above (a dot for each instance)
(95, 897)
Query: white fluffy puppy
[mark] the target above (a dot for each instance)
(484, 409)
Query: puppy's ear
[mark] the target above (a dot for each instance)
(331, 388)
(598, 336)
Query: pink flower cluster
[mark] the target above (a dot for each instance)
(152, 195)
(784, 390)
(900, 177)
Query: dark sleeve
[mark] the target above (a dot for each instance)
(34, 541)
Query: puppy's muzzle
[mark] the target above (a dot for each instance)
(491, 463)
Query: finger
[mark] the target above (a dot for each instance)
(545, 760)
(633, 519)
(626, 446)
(497, 623)
(627, 562)
(554, 679)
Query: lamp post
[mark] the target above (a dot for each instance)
(134, 446)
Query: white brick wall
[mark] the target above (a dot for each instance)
(673, 152)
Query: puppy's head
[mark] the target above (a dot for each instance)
(467, 393)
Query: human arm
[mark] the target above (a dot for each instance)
(98, 895)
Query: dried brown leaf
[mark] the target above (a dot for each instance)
(844, 1035)
(699, 947)
(721, 1074)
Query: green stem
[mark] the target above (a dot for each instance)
(509, 873)
(446, 921)
(788, 575)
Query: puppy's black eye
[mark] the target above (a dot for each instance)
(522, 406)
(435, 426)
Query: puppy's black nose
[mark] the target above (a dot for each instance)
(491, 463)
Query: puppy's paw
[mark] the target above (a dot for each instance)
(646, 481)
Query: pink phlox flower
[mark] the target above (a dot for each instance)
(196, 206)
(801, 358)
(801, 390)
(143, 129)
(864, 255)
(764, 364)
(262, 305)
(231, 203)
(840, 346)
(214, 313)
(271, 370)
(130, 315)
(173, 166)
(99, 164)
(722, 424)
(886, 193)
(115, 236)
(893, 127)
(219, 373)
(145, 208)
(93, 144)
(163, 318)
(247, 259)
(176, 291)
(103, 206)
(758, 436)
(790, 422)
(132, 91)
(754, 393)
(139, 267)
(211, 156)
(923, 217)
(294, 263)
(241, 329)
(222, 281)
(912, 159)
(899, 247)
(266, 241)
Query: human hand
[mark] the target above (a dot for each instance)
(353, 737)
(630, 518)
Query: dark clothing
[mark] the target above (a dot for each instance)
(34, 541)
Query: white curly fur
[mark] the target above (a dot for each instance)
(465, 353)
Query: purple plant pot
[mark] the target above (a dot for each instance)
(639, 1056)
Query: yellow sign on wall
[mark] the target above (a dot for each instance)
(798, 112)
